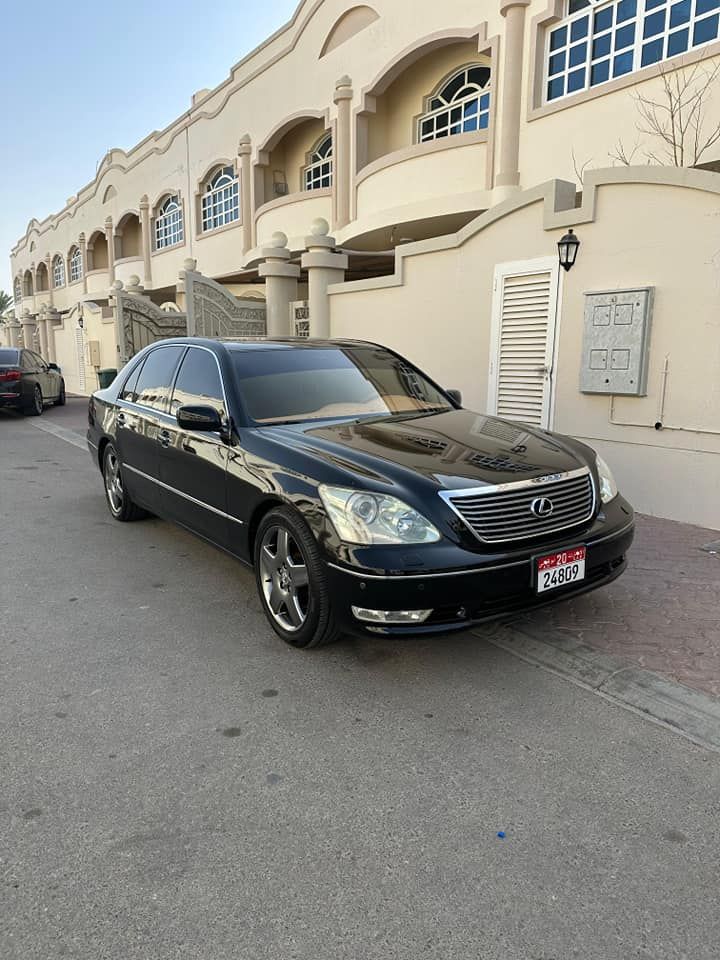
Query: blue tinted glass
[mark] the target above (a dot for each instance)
(678, 42)
(705, 6)
(555, 88)
(601, 46)
(483, 121)
(576, 80)
(600, 73)
(623, 63)
(557, 63)
(578, 54)
(652, 52)
(651, 4)
(625, 37)
(470, 109)
(575, 5)
(706, 30)
(625, 10)
(470, 125)
(579, 29)
(603, 19)
(485, 101)
(558, 38)
(654, 24)
(680, 13)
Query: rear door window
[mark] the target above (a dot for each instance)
(198, 382)
(153, 386)
(128, 390)
(27, 362)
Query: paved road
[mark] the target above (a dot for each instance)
(174, 783)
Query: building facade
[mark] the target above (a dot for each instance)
(406, 179)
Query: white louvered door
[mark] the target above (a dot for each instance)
(522, 344)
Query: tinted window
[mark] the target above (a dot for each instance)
(198, 382)
(301, 383)
(9, 357)
(153, 386)
(128, 391)
(28, 361)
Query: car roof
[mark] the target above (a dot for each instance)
(248, 344)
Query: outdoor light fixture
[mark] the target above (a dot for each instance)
(567, 249)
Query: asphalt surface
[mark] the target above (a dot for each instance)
(175, 783)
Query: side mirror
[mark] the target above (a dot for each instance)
(54, 366)
(204, 419)
(455, 396)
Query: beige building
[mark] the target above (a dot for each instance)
(406, 179)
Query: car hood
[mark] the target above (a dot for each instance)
(453, 450)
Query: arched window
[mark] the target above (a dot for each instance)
(319, 171)
(221, 199)
(168, 223)
(18, 290)
(58, 271)
(461, 105)
(76, 264)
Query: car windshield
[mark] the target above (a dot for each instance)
(8, 357)
(300, 384)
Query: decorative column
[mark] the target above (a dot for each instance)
(342, 179)
(244, 153)
(145, 228)
(324, 268)
(511, 92)
(42, 331)
(51, 278)
(82, 241)
(52, 316)
(110, 249)
(28, 329)
(281, 280)
(14, 328)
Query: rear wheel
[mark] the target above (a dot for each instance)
(60, 402)
(291, 581)
(36, 404)
(121, 506)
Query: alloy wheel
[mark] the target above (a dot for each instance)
(284, 578)
(38, 401)
(113, 482)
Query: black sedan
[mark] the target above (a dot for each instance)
(366, 498)
(27, 382)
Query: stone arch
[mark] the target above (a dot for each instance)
(97, 251)
(352, 22)
(28, 284)
(128, 236)
(42, 281)
(282, 157)
(109, 194)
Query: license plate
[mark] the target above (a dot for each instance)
(560, 569)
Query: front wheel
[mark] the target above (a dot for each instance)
(118, 500)
(291, 581)
(60, 402)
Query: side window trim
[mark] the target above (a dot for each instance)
(165, 408)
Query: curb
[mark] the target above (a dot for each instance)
(691, 714)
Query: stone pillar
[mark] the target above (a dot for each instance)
(42, 331)
(52, 316)
(82, 242)
(146, 239)
(281, 280)
(244, 166)
(110, 248)
(511, 92)
(342, 148)
(14, 329)
(324, 268)
(28, 329)
(51, 278)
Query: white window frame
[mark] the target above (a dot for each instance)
(642, 13)
(440, 117)
(318, 174)
(220, 199)
(169, 226)
(76, 264)
(58, 272)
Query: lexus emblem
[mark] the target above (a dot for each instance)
(542, 507)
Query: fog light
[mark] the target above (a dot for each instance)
(391, 616)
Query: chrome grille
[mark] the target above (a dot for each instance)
(504, 513)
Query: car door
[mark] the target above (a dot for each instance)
(193, 464)
(44, 377)
(141, 413)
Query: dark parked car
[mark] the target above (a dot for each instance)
(27, 382)
(366, 498)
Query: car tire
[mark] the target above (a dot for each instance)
(119, 503)
(292, 582)
(36, 404)
(60, 402)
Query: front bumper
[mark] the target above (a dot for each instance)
(493, 588)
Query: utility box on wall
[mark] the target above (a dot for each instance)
(93, 353)
(616, 342)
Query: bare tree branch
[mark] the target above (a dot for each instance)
(620, 154)
(580, 170)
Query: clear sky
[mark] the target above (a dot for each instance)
(79, 77)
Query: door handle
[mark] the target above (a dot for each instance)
(164, 438)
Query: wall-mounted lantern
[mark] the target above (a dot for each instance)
(567, 249)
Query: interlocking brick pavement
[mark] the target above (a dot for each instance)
(663, 614)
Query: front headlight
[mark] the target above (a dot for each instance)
(608, 487)
(374, 518)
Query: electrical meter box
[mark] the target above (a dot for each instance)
(616, 342)
(93, 352)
